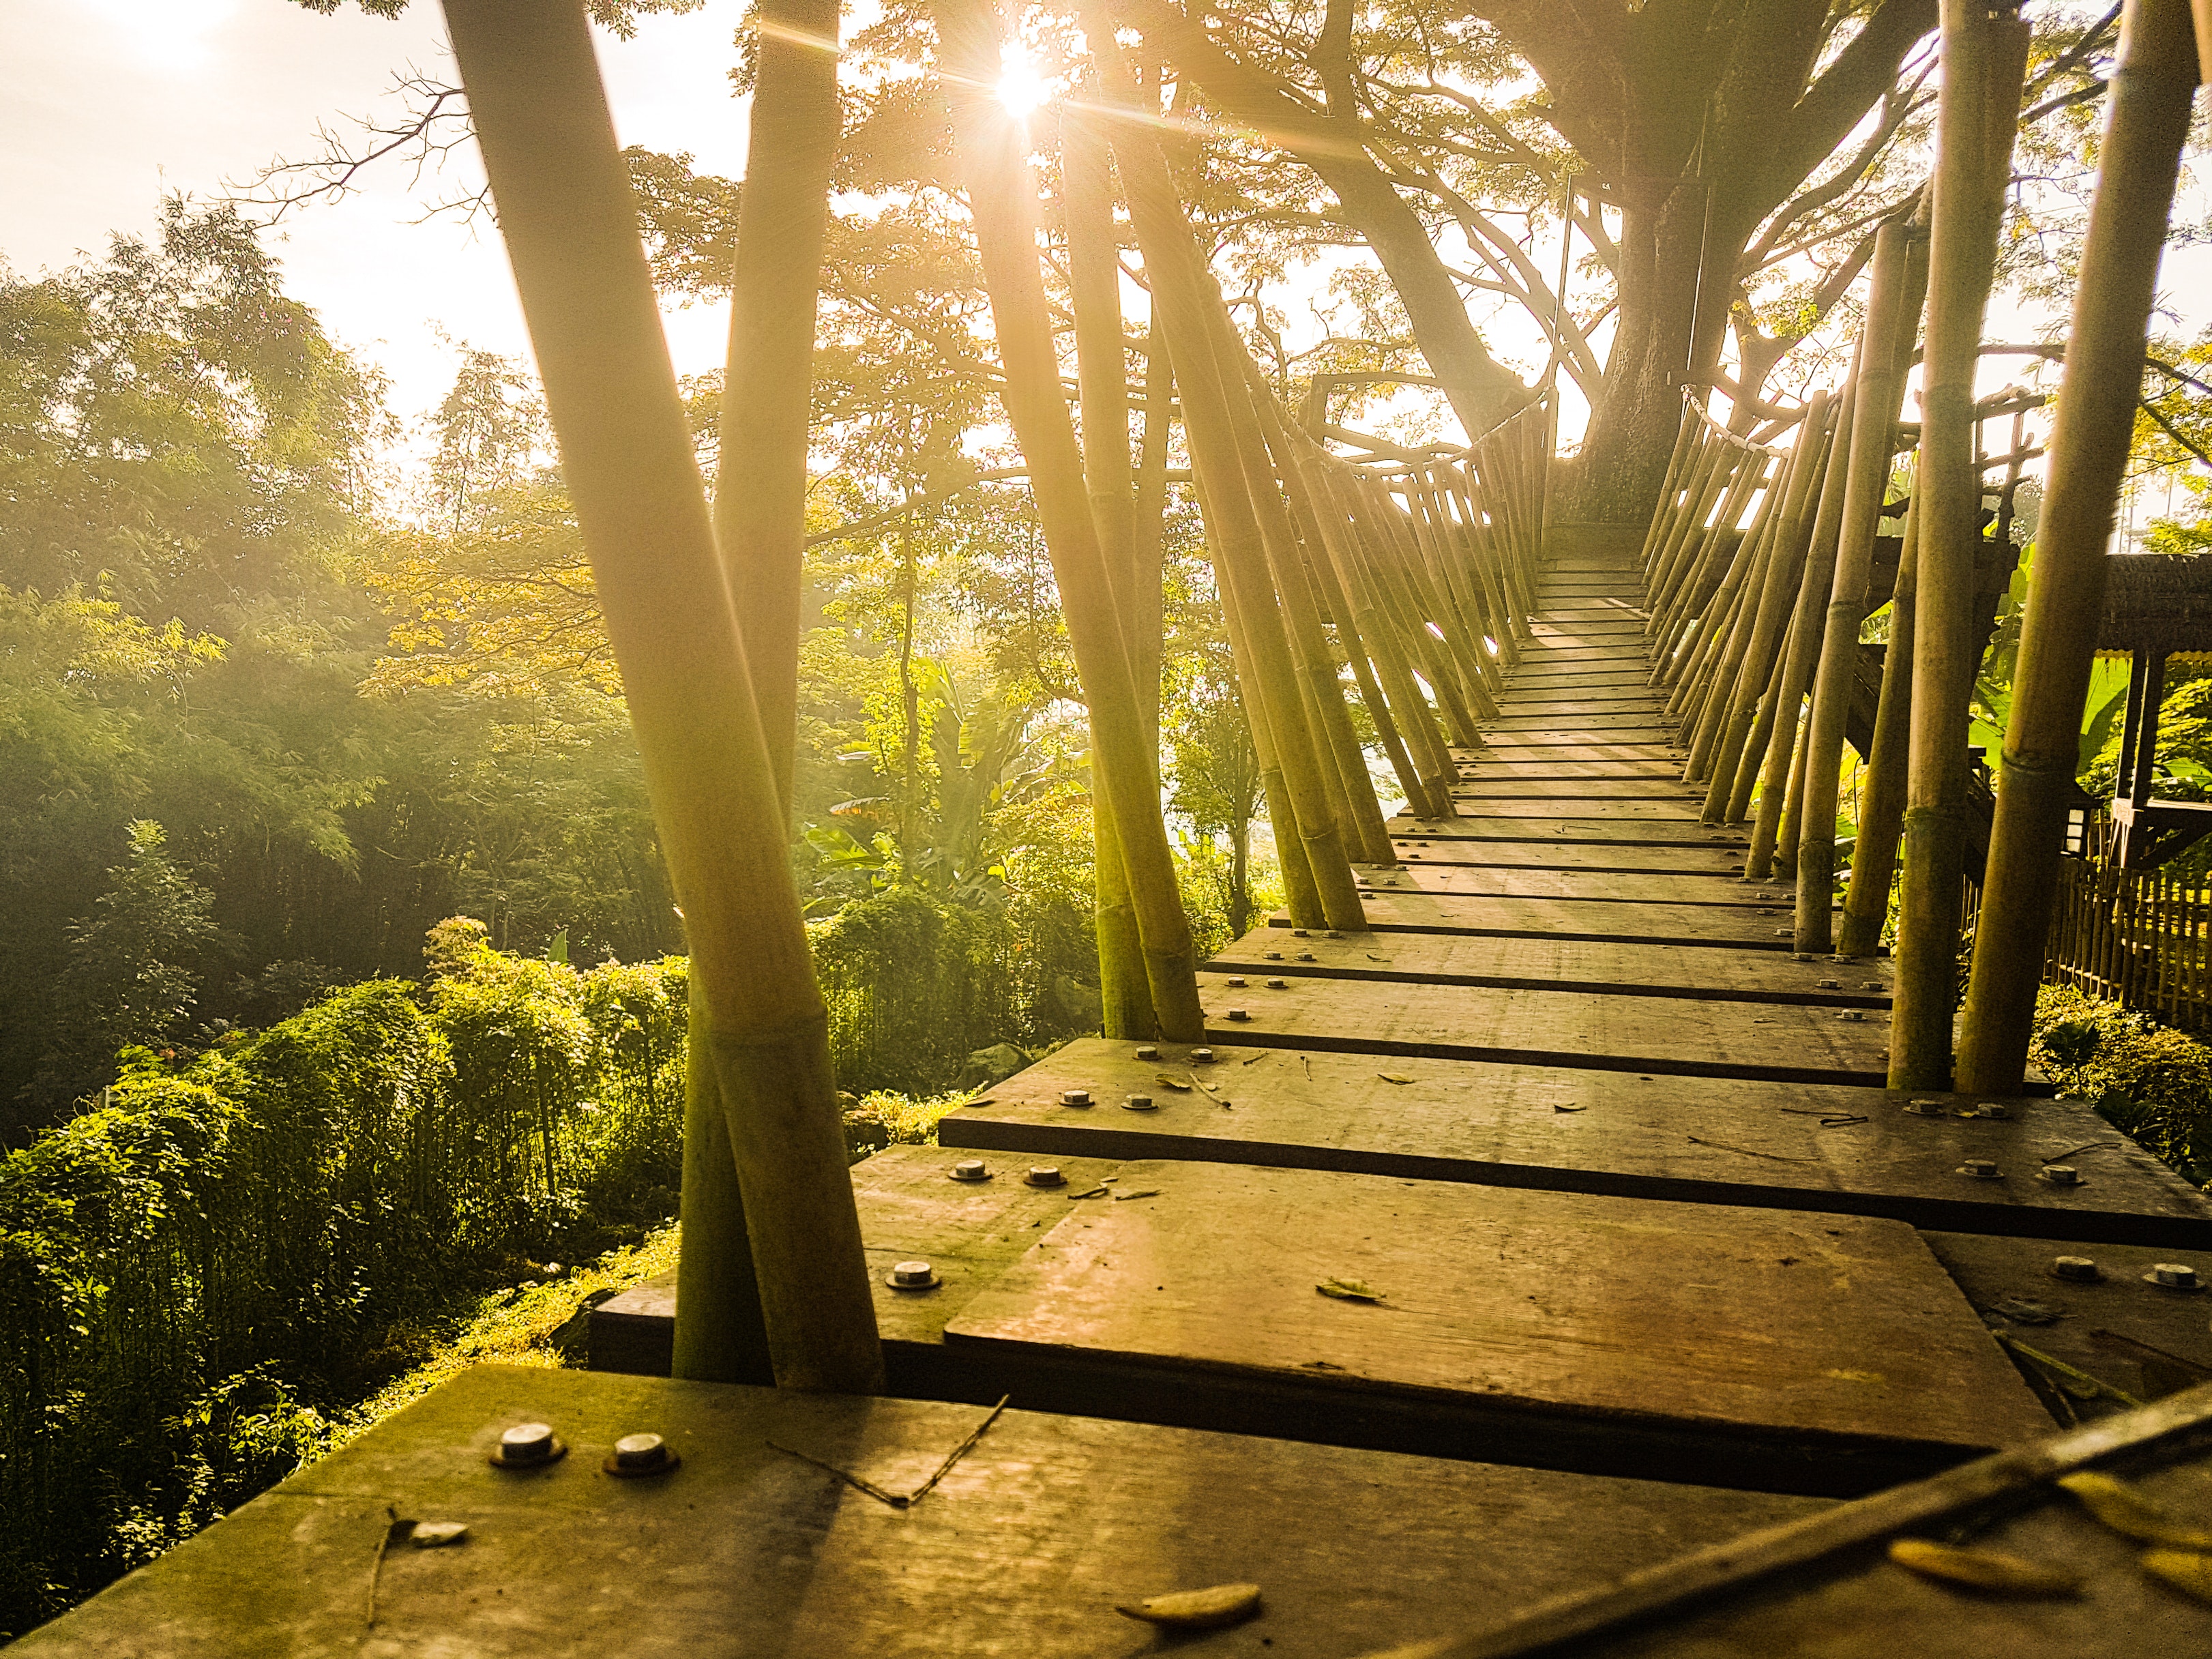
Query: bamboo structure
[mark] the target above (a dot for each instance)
(1984, 59)
(2147, 123)
(1004, 198)
(566, 216)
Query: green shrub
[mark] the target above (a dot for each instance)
(2150, 1081)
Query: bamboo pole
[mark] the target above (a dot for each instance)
(1893, 317)
(2147, 123)
(1102, 380)
(1881, 796)
(1003, 201)
(1985, 58)
(570, 228)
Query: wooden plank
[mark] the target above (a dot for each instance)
(1553, 806)
(1826, 1585)
(1662, 768)
(1658, 755)
(1025, 1547)
(1775, 1324)
(1799, 1146)
(1599, 968)
(1634, 720)
(1589, 887)
(2141, 1339)
(1623, 1033)
(1683, 925)
(1615, 788)
(1555, 854)
(1563, 829)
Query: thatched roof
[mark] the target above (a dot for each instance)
(2157, 602)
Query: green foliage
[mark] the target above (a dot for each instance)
(2148, 1080)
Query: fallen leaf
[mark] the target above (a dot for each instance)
(2021, 1311)
(1149, 1192)
(1198, 1610)
(1320, 1365)
(1392, 1076)
(1348, 1290)
(437, 1535)
(1095, 1192)
(2130, 1514)
(1570, 1108)
(1176, 1084)
(980, 1100)
(1993, 1570)
(1371, 956)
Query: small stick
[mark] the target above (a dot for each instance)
(959, 1451)
(847, 1476)
(394, 1527)
(901, 1501)
(2085, 1146)
(1747, 1151)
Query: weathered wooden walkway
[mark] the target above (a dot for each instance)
(1557, 1226)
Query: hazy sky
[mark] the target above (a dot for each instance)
(105, 105)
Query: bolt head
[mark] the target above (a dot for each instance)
(911, 1276)
(641, 1451)
(1993, 1109)
(1045, 1175)
(1872, 985)
(1077, 1096)
(2061, 1174)
(1301, 932)
(2082, 1268)
(1239, 1014)
(1801, 955)
(1828, 984)
(1332, 933)
(1139, 1103)
(527, 1443)
(1272, 956)
(1981, 1169)
(1148, 1052)
(1237, 980)
(1305, 956)
(1278, 985)
(1201, 1056)
(2174, 1276)
(971, 1168)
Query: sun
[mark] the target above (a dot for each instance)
(1021, 87)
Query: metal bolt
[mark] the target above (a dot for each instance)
(1829, 984)
(1300, 932)
(2080, 1267)
(1850, 1013)
(1332, 933)
(1873, 985)
(2174, 1276)
(970, 1168)
(1075, 1096)
(1785, 932)
(528, 1445)
(1801, 955)
(1238, 1014)
(1139, 1103)
(911, 1276)
(1237, 980)
(1994, 1109)
(1981, 1169)
(1278, 985)
(1305, 956)
(1272, 956)
(1045, 1175)
(2061, 1174)
(641, 1454)
(1148, 1052)
(1201, 1056)
(1924, 1108)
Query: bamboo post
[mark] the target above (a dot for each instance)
(1003, 201)
(1881, 798)
(2147, 123)
(1102, 380)
(566, 216)
(1893, 317)
(1985, 58)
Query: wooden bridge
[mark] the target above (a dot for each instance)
(1557, 1227)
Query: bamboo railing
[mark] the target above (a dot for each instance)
(2139, 938)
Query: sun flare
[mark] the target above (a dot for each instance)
(1021, 87)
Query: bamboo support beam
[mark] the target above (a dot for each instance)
(2146, 124)
(1985, 60)
(568, 219)
(1002, 194)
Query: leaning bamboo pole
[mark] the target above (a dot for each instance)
(1881, 791)
(760, 526)
(2147, 123)
(1103, 386)
(1892, 319)
(568, 219)
(1183, 295)
(1985, 61)
(1003, 201)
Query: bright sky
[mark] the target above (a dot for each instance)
(105, 105)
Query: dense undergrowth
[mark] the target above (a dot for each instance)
(2148, 1080)
(217, 1273)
